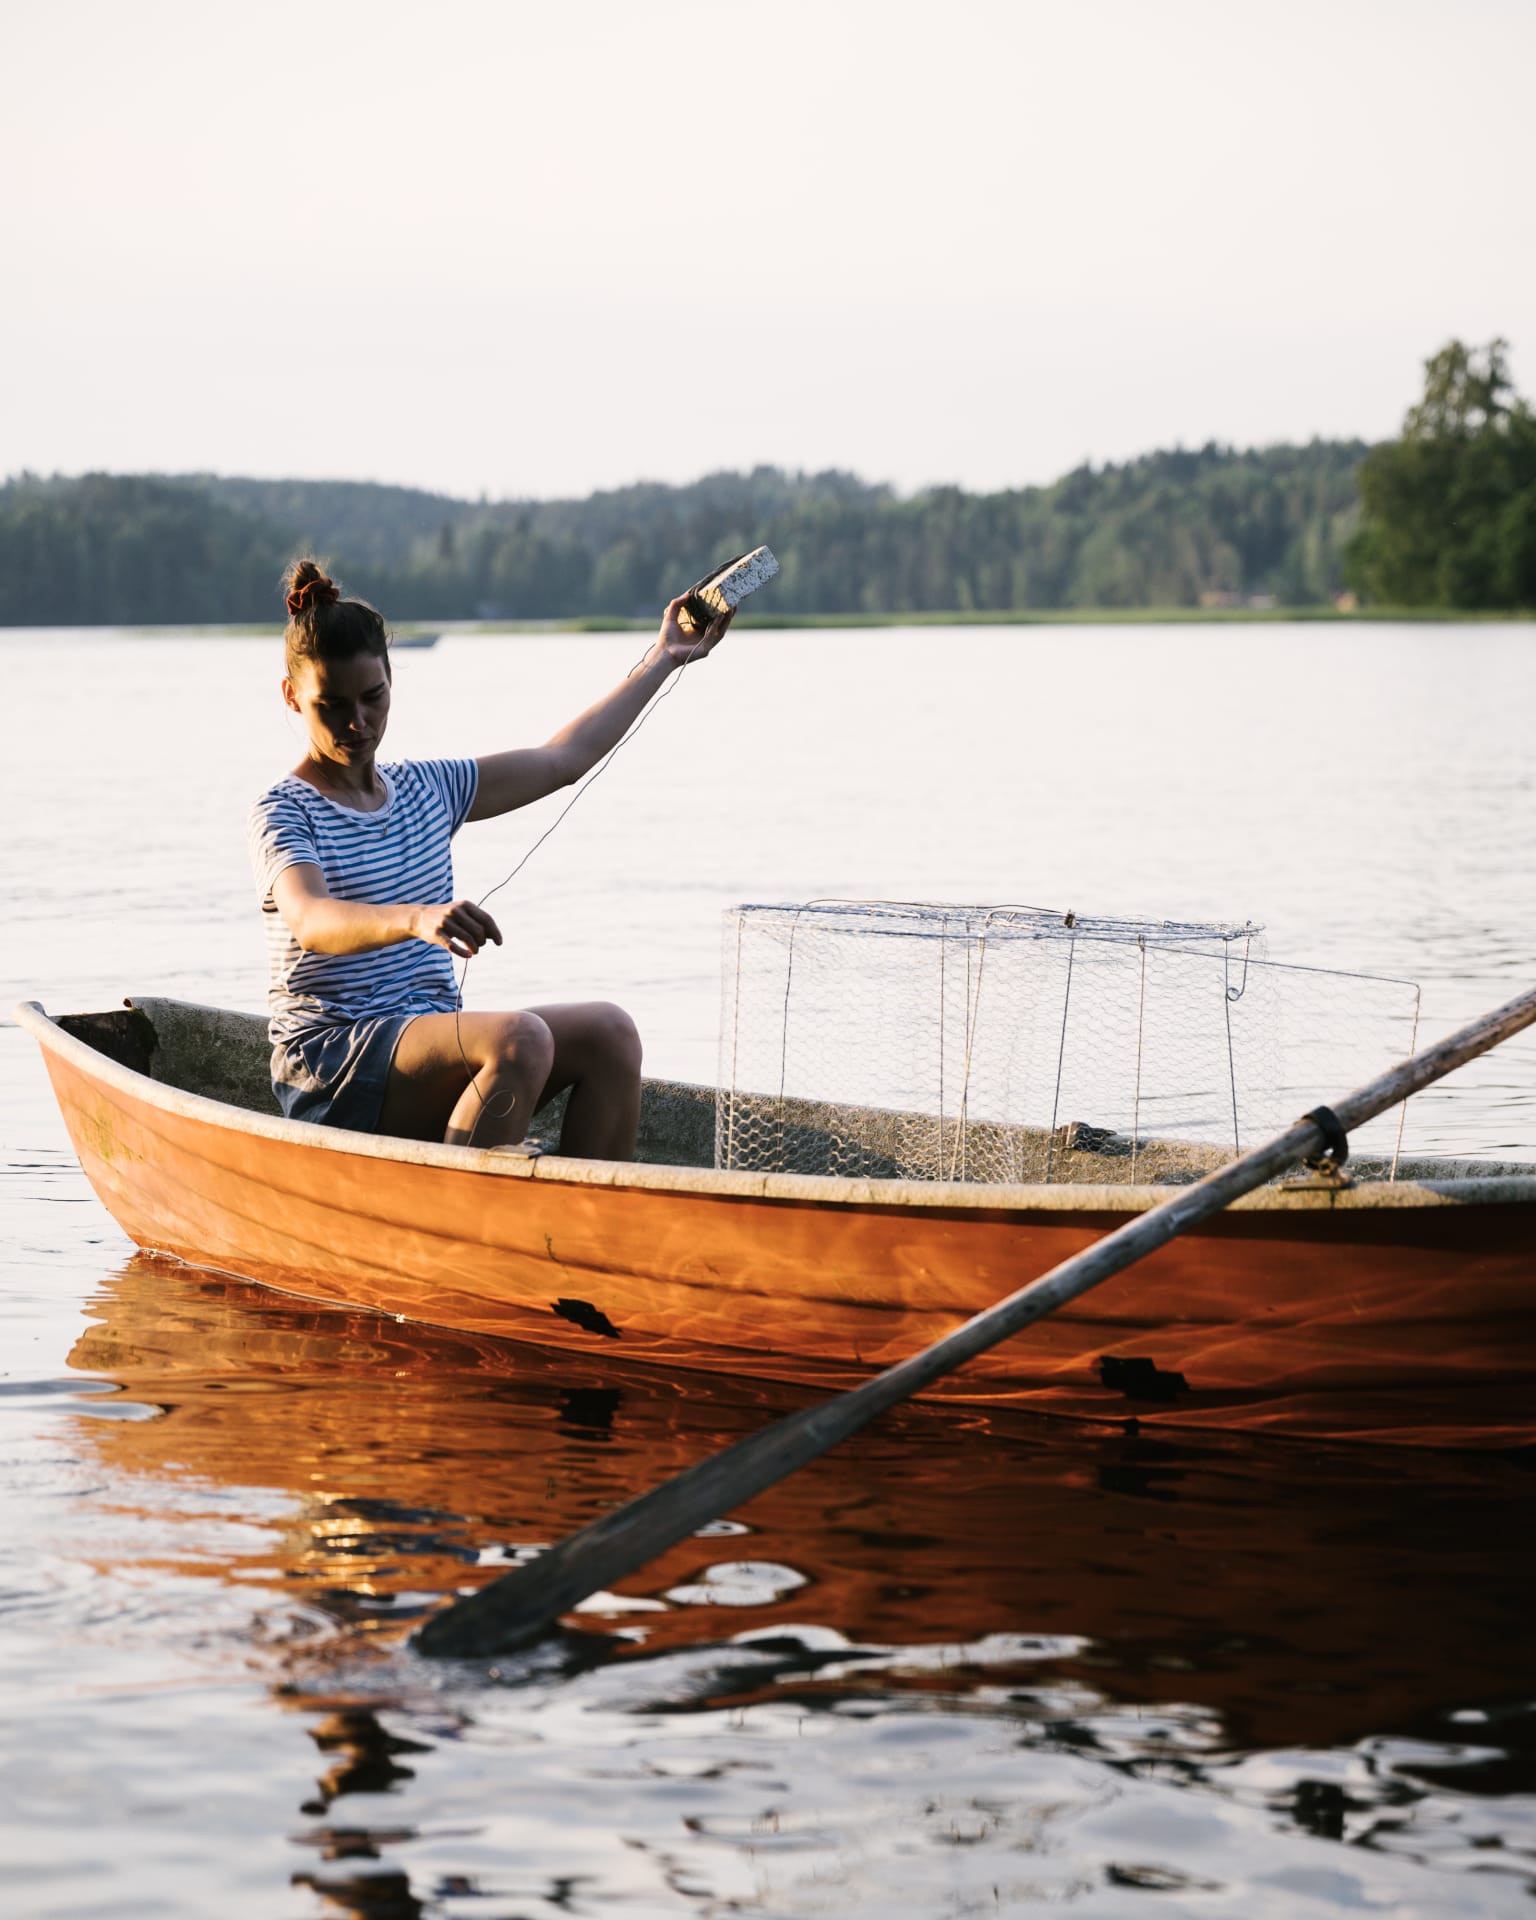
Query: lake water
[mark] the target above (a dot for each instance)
(962, 1665)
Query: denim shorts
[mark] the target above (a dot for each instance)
(336, 1076)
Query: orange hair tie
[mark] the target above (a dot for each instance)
(322, 592)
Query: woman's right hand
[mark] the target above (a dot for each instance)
(678, 645)
(460, 926)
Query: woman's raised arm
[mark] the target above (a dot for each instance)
(514, 779)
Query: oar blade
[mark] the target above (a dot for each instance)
(522, 1606)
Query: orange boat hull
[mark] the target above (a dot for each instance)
(1304, 1314)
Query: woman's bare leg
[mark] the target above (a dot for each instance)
(474, 1079)
(597, 1055)
(480, 1079)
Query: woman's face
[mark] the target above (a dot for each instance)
(344, 705)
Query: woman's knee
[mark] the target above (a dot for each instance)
(617, 1035)
(524, 1043)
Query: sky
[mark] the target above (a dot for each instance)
(512, 249)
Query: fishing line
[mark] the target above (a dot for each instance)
(486, 1108)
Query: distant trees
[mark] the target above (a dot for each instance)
(1172, 529)
(1443, 516)
(110, 549)
(1449, 508)
(1167, 530)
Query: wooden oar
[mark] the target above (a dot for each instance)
(520, 1606)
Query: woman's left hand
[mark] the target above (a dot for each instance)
(680, 646)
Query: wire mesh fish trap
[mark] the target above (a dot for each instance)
(1013, 1044)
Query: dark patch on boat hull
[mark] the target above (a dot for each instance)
(1139, 1378)
(582, 1313)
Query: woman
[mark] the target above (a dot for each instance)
(353, 863)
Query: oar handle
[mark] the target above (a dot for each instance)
(520, 1606)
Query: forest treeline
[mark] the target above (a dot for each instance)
(1449, 507)
(1444, 516)
(1161, 531)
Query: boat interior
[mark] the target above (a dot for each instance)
(223, 1055)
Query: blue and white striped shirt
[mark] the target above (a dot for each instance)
(399, 853)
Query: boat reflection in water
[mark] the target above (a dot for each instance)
(1305, 1595)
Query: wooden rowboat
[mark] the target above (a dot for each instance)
(1397, 1311)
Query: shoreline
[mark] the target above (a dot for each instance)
(1018, 617)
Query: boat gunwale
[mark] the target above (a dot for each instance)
(825, 1190)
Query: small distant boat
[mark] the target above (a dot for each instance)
(1400, 1311)
(399, 640)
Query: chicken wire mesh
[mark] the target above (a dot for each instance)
(1013, 1044)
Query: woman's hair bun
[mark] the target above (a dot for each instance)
(322, 625)
(305, 585)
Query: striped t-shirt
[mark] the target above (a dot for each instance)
(399, 853)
